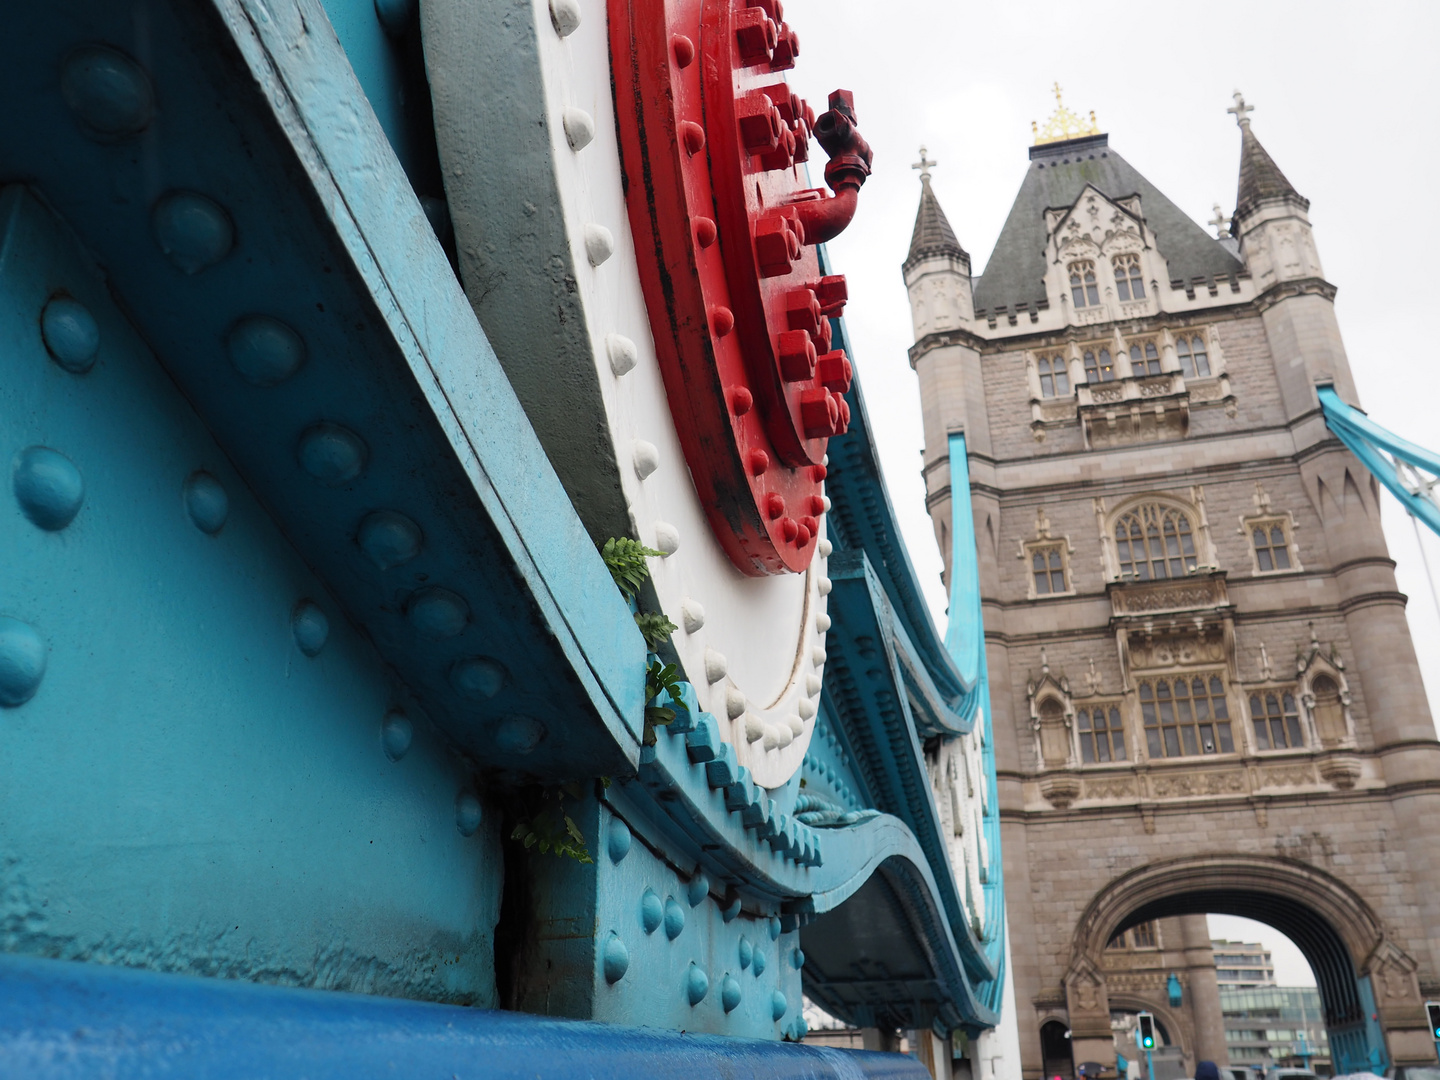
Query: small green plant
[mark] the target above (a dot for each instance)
(660, 679)
(545, 826)
(654, 628)
(625, 559)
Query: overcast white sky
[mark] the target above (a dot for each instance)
(1341, 92)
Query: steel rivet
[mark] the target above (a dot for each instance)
(742, 401)
(617, 840)
(729, 993)
(264, 350)
(692, 615)
(108, 92)
(734, 703)
(812, 684)
(778, 1005)
(519, 734)
(652, 911)
(755, 728)
(579, 128)
(757, 962)
(616, 959)
(599, 243)
(825, 547)
(389, 538)
(70, 334)
(747, 952)
(193, 231)
(565, 16)
(697, 984)
(647, 458)
(774, 505)
(722, 320)
(468, 813)
(667, 538)
(674, 918)
(797, 959)
(757, 461)
(623, 354)
(705, 231)
(697, 889)
(692, 136)
(48, 487)
(396, 733)
(684, 50)
(817, 655)
(332, 454)
(206, 502)
(774, 927)
(824, 585)
(22, 661)
(438, 613)
(310, 627)
(478, 677)
(716, 666)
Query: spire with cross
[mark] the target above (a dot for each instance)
(924, 165)
(1241, 110)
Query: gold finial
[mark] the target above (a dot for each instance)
(1063, 123)
(924, 165)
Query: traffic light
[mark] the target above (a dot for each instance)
(1432, 1009)
(1147, 1031)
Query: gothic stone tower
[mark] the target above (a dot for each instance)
(1206, 697)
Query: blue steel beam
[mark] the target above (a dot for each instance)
(64, 1020)
(1400, 471)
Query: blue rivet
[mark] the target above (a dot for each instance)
(697, 889)
(697, 983)
(731, 909)
(264, 350)
(22, 661)
(747, 952)
(757, 961)
(797, 959)
(48, 487)
(70, 334)
(778, 1005)
(617, 840)
(774, 928)
(396, 733)
(674, 918)
(395, 15)
(729, 993)
(206, 502)
(192, 230)
(478, 676)
(519, 734)
(107, 91)
(438, 613)
(615, 959)
(652, 911)
(332, 454)
(389, 538)
(310, 626)
(467, 813)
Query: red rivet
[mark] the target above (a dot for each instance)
(742, 401)
(684, 50)
(692, 135)
(722, 319)
(790, 529)
(704, 231)
(757, 461)
(818, 472)
(817, 505)
(774, 505)
(811, 524)
(802, 535)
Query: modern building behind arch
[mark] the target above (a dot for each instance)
(1207, 699)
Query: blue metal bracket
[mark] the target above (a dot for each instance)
(1409, 471)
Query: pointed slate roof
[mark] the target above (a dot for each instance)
(933, 234)
(1058, 173)
(1260, 177)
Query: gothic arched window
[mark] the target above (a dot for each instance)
(1098, 366)
(1277, 720)
(1194, 363)
(1144, 359)
(1054, 379)
(1272, 550)
(1154, 542)
(1102, 736)
(1128, 285)
(1083, 289)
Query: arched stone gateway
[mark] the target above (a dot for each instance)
(1373, 1007)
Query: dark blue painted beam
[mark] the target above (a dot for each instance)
(61, 1020)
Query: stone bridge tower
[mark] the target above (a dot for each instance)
(1206, 697)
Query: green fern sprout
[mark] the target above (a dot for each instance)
(549, 829)
(654, 628)
(625, 558)
(661, 679)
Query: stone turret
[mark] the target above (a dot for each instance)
(946, 355)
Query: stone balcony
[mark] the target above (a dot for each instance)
(1132, 409)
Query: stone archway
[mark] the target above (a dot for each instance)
(1367, 984)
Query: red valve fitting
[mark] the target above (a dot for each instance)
(849, 166)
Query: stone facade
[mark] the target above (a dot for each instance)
(1178, 537)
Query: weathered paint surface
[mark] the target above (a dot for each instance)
(187, 789)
